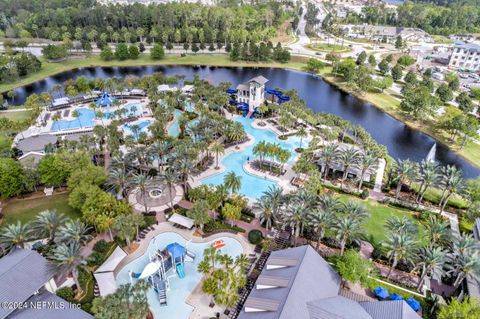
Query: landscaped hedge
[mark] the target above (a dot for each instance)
(87, 283)
(255, 237)
(214, 226)
(66, 293)
(101, 251)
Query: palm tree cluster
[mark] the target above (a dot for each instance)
(319, 213)
(429, 175)
(347, 157)
(441, 254)
(65, 236)
(272, 151)
(223, 276)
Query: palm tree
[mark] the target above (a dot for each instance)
(232, 181)
(428, 177)
(406, 170)
(76, 114)
(265, 207)
(47, 223)
(236, 133)
(321, 220)
(452, 183)
(170, 178)
(437, 231)
(328, 202)
(302, 133)
(432, 261)
(401, 225)
(348, 228)
(161, 149)
(400, 247)
(464, 266)
(217, 148)
(140, 180)
(296, 215)
(367, 162)
(348, 158)
(14, 236)
(327, 155)
(73, 231)
(118, 179)
(353, 208)
(464, 244)
(275, 196)
(67, 257)
(184, 167)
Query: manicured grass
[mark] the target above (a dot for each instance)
(379, 213)
(26, 210)
(327, 47)
(16, 116)
(92, 60)
(441, 39)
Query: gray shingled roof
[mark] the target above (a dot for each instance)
(469, 46)
(306, 287)
(310, 278)
(51, 313)
(259, 79)
(36, 143)
(22, 273)
(337, 307)
(391, 309)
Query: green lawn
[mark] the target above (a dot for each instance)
(25, 210)
(379, 213)
(16, 116)
(327, 47)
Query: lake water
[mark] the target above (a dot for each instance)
(401, 141)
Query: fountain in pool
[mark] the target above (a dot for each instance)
(431, 154)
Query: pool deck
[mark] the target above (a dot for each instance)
(197, 299)
(187, 234)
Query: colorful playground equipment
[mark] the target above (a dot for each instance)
(165, 264)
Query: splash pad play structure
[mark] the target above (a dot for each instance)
(165, 264)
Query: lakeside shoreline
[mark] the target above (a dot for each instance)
(221, 60)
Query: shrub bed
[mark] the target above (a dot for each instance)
(216, 226)
(255, 237)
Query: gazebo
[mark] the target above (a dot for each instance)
(105, 100)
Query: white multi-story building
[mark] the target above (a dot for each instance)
(465, 56)
(252, 92)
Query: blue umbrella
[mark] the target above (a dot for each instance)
(412, 302)
(395, 296)
(381, 292)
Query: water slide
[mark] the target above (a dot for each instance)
(254, 112)
(189, 256)
(246, 113)
(180, 270)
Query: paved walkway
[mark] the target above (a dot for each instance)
(377, 190)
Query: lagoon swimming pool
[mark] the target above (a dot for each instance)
(180, 289)
(142, 127)
(86, 117)
(252, 186)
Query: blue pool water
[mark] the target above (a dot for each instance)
(252, 186)
(87, 117)
(174, 129)
(127, 127)
(180, 289)
(132, 110)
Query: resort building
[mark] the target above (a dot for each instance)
(387, 33)
(473, 287)
(26, 282)
(252, 92)
(465, 56)
(35, 143)
(299, 283)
